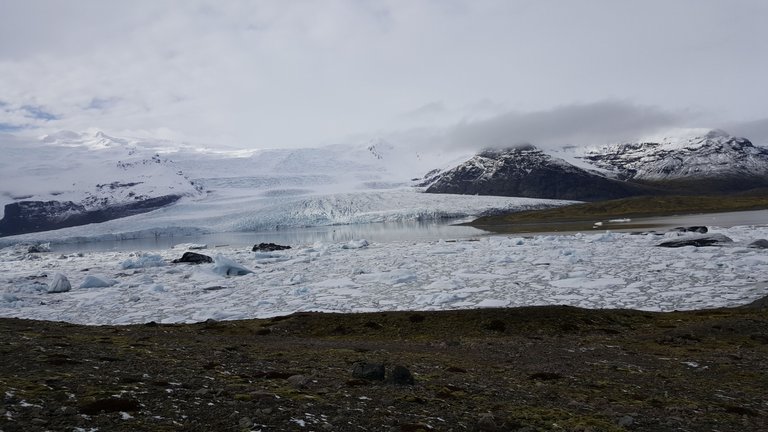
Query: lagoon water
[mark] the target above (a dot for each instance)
(375, 232)
(400, 231)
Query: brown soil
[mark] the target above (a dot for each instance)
(527, 369)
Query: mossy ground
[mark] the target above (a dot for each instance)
(542, 368)
(579, 217)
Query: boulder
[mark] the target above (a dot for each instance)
(369, 371)
(402, 376)
(697, 241)
(193, 258)
(59, 284)
(269, 247)
(759, 244)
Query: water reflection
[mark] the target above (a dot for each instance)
(378, 232)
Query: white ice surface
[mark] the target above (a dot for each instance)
(606, 270)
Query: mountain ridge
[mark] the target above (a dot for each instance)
(701, 162)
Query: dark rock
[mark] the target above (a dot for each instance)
(416, 318)
(495, 325)
(696, 229)
(373, 325)
(245, 423)
(698, 241)
(759, 244)
(110, 405)
(193, 258)
(545, 376)
(369, 371)
(269, 247)
(401, 376)
(625, 421)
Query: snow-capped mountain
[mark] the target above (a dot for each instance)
(71, 179)
(526, 172)
(690, 161)
(694, 154)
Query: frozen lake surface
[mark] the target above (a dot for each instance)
(597, 270)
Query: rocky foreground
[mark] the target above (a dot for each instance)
(527, 369)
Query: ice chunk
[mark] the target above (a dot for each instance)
(356, 244)
(97, 281)
(226, 267)
(143, 260)
(59, 284)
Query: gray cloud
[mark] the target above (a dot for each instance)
(300, 73)
(755, 130)
(595, 123)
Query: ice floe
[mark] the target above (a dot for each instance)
(600, 270)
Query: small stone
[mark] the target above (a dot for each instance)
(402, 376)
(626, 421)
(486, 422)
(266, 411)
(202, 392)
(245, 423)
(369, 371)
(38, 421)
(298, 381)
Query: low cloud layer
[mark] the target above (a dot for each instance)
(755, 130)
(595, 123)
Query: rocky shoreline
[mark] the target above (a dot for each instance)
(522, 369)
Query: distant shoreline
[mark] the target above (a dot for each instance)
(582, 217)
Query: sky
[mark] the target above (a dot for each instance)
(293, 73)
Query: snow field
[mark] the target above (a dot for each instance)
(606, 270)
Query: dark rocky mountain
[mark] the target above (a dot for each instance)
(529, 172)
(23, 217)
(695, 162)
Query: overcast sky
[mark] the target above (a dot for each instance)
(302, 73)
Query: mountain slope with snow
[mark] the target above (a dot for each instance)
(72, 179)
(696, 154)
(688, 162)
(527, 172)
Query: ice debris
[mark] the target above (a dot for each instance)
(59, 284)
(226, 267)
